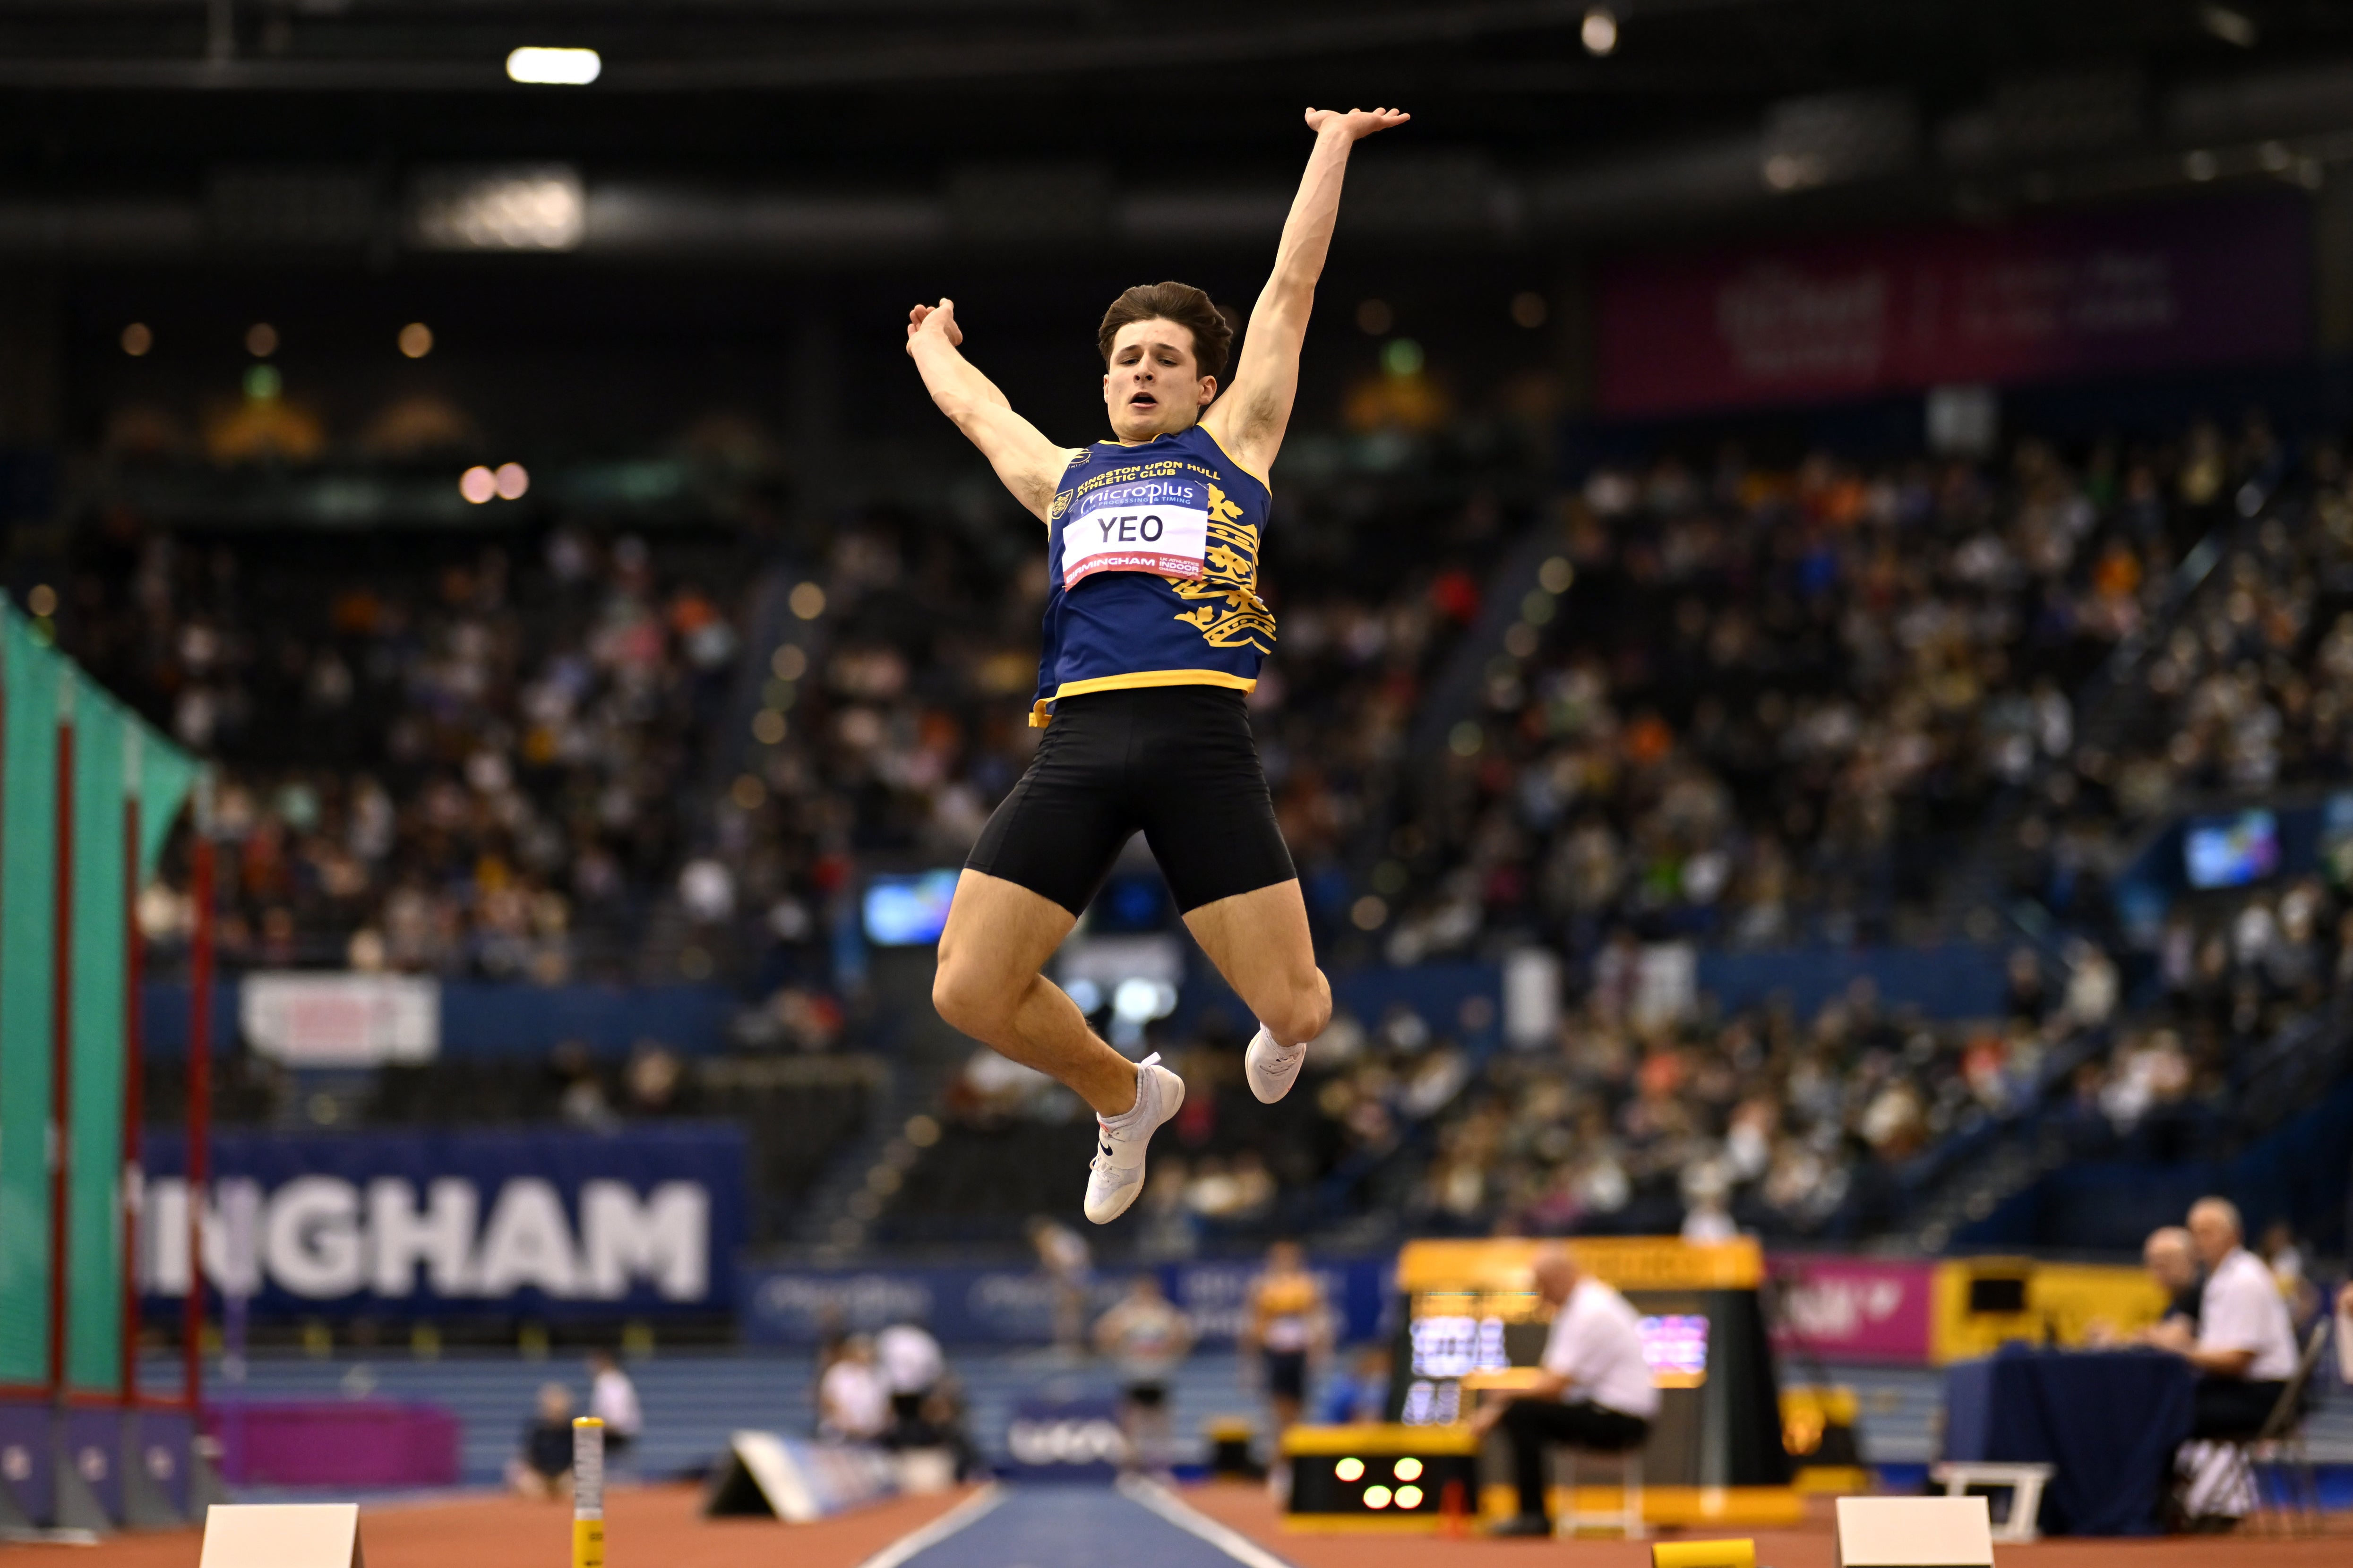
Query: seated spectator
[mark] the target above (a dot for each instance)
(543, 1470)
(1360, 1395)
(1594, 1390)
(853, 1404)
(613, 1399)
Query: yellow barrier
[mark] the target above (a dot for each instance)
(1703, 1554)
(2063, 1301)
(1627, 1262)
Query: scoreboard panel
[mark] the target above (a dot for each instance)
(1472, 1322)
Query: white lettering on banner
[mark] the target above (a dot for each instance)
(666, 1238)
(309, 1019)
(863, 1300)
(312, 1237)
(1067, 1442)
(443, 1240)
(1837, 1309)
(528, 1243)
(1153, 525)
(323, 1237)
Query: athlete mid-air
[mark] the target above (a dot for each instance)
(1154, 634)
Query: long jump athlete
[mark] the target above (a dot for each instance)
(1153, 634)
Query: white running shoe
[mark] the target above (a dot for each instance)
(1272, 1070)
(1116, 1172)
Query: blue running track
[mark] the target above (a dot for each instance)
(1071, 1526)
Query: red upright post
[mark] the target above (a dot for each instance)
(61, 1047)
(200, 1093)
(133, 1193)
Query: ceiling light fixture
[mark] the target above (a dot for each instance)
(554, 68)
(1600, 32)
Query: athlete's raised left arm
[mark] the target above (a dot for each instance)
(1249, 419)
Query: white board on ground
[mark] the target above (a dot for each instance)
(1915, 1533)
(282, 1535)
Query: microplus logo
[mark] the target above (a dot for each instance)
(322, 1237)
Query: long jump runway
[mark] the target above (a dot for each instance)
(1134, 1526)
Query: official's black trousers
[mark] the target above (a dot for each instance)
(1530, 1424)
(2231, 1406)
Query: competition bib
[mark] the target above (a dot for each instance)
(1160, 526)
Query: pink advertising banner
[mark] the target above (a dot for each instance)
(1852, 1309)
(2175, 286)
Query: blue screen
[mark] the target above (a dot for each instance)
(907, 911)
(2231, 851)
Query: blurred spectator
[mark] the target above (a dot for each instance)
(1069, 1267)
(543, 1470)
(853, 1403)
(912, 1366)
(1359, 1395)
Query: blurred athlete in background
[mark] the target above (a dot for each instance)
(1154, 632)
(1289, 1327)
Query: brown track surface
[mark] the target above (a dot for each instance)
(1246, 1509)
(645, 1527)
(662, 1527)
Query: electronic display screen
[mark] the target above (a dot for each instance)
(1446, 1347)
(2230, 851)
(908, 911)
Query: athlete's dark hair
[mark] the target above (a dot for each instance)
(1178, 302)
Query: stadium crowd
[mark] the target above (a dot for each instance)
(1743, 704)
(438, 754)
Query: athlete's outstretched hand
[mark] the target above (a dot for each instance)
(1359, 123)
(942, 318)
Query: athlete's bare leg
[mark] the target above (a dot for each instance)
(1260, 943)
(998, 936)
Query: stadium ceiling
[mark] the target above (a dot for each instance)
(837, 126)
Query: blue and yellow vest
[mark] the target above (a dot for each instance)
(1152, 571)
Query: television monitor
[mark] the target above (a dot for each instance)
(908, 910)
(2231, 851)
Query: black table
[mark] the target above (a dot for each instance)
(2105, 1421)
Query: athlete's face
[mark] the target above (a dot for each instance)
(1153, 386)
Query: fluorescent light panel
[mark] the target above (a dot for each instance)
(554, 67)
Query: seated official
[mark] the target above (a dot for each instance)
(1594, 1393)
(2244, 1346)
(2170, 1256)
(2170, 1260)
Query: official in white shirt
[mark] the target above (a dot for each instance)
(1594, 1391)
(2244, 1344)
(613, 1399)
(912, 1366)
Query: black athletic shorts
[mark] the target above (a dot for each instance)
(1176, 762)
(1286, 1373)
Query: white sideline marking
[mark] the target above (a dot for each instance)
(939, 1530)
(1186, 1517)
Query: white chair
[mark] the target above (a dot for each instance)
(1626, 1519)
(2025, 1484)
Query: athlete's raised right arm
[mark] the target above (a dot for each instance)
(1031, 466)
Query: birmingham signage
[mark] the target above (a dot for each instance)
(560, 1224)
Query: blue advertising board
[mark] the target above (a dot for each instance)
(1015, 1305)
(641, 1222)
(1051, 1439)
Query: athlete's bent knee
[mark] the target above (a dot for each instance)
(1306, 1017)
(965, 1004)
